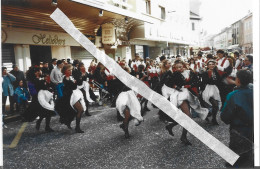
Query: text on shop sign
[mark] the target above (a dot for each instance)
(47, 39)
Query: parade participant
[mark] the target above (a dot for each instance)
(200, 64)
(42, 104)
(238, 112)
(223, 66)
(238, 62)
(209, 57)
(22, 96)
(72, 103)
(153, 75)
(128, 105)
(193, 65)
(56, 78)
(7, 89)
(185, 95)
(210, 94)
(81, 76)
(165, 75)
(142, 75)
(222, 63)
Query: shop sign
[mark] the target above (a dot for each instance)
(108, 34)
(47, 39)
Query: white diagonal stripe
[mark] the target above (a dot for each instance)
(161, 102)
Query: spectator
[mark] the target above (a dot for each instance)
(56, 78)
(45, 69)
(238, 112)
(53, 64)
(8, 89)
(248, 63)
(22, 96)
(19, 75)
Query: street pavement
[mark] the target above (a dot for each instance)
(103, 144)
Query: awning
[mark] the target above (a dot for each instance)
(35, 14)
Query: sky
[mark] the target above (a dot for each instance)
(218, 14)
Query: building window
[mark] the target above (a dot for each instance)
(193, 26)
(162, 12)
(148, 6)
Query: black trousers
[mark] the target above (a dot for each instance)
(243, 147)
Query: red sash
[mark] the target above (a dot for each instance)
(222, 64)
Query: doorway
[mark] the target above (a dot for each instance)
(40, 54)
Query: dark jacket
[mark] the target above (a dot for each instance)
(19, 76)
(238, 110)
(215, 79)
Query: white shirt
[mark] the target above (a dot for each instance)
(226, 64)
(237, 63)
(200, 63)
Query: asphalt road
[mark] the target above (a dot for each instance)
(103, 144)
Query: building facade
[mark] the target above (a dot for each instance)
(247, 44)
(150, 28)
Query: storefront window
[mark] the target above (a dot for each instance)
(140, 50)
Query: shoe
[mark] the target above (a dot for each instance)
(122, 126)
(186, 141)
(169, 129)
(127, 135)
(69, 127)
(137, 122)
(48, 129)
(78, 130)
(87, 113)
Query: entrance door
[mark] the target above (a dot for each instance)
(40, 54)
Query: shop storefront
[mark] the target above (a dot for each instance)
(35, 46)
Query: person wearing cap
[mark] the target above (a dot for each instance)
(56, 78)
(53, 64)
(7, 89)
